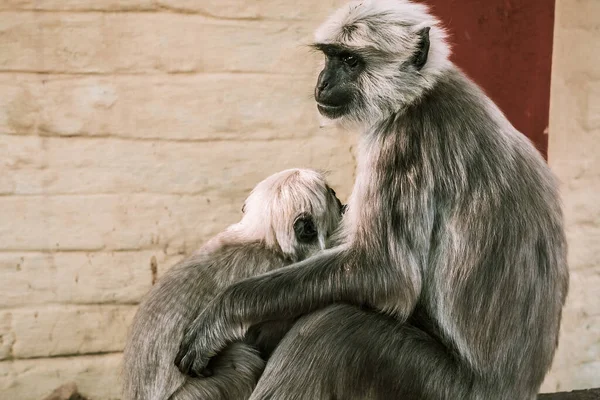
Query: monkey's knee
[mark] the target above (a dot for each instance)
(310, 333)
(306, 362)
(235, 374)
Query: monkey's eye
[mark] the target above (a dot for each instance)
(244, 208)
(304, 229)
(350, 60)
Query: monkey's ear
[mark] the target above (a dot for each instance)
(339, 203)
(304, 229)
(420, 56)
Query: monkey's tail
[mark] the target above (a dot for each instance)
(235, 373)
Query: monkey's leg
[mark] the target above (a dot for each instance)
(342, 352)
(265, 337)
(235, 373)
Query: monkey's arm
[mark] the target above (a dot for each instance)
(336, 275)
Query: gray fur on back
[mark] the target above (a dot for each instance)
(256, 245)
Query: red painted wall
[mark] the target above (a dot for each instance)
(506, 47)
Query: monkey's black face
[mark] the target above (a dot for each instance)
(336, 89)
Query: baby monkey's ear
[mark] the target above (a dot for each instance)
(339, 203)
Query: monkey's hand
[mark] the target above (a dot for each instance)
(204, 338)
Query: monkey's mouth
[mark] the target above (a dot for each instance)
(330, 111)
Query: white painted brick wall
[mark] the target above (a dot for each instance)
(132, 130)
(574, 155)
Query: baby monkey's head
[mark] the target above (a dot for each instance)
(294, 211)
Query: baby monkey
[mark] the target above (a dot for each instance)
(288, 217)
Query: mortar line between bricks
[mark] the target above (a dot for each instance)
(68, 355)
(203, 193)
(80, 250)
(83, 252)
(54, 305)
(151, 74)
(156, 10)
(159, 139)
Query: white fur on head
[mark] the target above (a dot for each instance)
(388, 29)
(274, 204)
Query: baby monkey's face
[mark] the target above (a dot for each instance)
(297, 211)
(305, 224)
(313, 226)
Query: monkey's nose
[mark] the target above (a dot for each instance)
(323, 85)
(319, 89)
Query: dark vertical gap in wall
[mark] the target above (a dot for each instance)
(506, 47)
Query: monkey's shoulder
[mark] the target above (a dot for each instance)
(224, 264)
(193, 282)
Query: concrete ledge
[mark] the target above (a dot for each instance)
(591, 394)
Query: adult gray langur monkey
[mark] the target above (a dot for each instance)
(451, 273)
(287, 217)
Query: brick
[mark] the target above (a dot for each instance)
(580, 341)
(576, 162)
(197, 107)
(587, 374)
(151, 42)
(573, 59)
(112, 222)
(575, 364)
(66, 330)
(592, 111)
(578, 14)
(586, 299)
(573, 138)
(97, 377)
(55, 330)
(6, 184)
(78, 277)
(583, 240)
(582, 210)
(104, 165)
(79, 5)
(312, 10)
